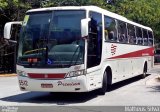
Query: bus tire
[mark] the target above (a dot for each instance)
(103, 90)
(144, 70)
(51, 93)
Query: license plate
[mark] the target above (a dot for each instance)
(47, 85)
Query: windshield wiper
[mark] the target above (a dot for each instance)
(34, 50)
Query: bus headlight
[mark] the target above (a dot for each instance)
(22, 73)
(75, 73)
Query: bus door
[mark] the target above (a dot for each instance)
(95, 40)
(94, 50)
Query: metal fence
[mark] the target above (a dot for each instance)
(7, 58)
(7, 50)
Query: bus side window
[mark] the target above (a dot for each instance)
(122, 32)
(139, 36)
(131, 34)
(150, 38)
(110, 29)
(145, 37)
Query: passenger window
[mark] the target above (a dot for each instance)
(122, 32)
(145, 37)
(150, 38)
(139, 36)
(131, 34)
(110, 29)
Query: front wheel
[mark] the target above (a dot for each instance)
(103, 90)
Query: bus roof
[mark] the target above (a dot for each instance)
(91, 8)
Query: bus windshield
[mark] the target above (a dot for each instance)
(51, 39)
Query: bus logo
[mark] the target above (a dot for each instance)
(49, 62)
(113, 49)
(60, 83)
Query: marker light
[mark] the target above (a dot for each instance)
(22, 73)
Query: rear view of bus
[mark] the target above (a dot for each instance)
(51, 51)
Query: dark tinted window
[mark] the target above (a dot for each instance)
(110, 29)
(131, 34)
(145, 37)
(157, 52)
(54, 38)
(15, 29)
(122, 32)
(139, 36)
(150, 38)
(95, 40)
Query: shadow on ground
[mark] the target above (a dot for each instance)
(125, 82)
(52, 98)
(63, 98)
(155, 88)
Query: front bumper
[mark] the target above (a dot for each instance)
(73, 84)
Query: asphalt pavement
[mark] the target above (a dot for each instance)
(132, 92)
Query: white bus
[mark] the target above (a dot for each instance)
(80, 49)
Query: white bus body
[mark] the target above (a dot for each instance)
(116, 60)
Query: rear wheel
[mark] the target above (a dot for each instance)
(144, 71)
(103, 90)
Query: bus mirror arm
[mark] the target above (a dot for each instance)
(12, 41)
(85, 27)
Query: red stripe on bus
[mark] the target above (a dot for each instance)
(140, 53)
(46, 76)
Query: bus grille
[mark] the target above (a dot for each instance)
(46, 76)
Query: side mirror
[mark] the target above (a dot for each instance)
(85, 27)
(7, 28)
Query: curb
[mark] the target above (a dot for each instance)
(156, 64)
(8, 75)
(158, 79)
(155, 81)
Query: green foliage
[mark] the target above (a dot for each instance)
(14, 9)
(146, 12)
(3, 4)
(50, 3)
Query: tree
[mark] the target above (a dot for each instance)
(14, 9)
(146, 12)
(49, 3)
